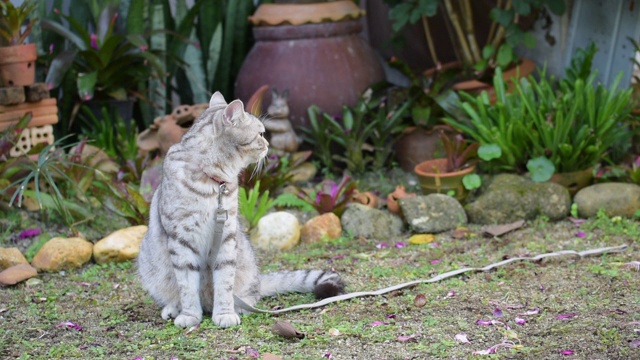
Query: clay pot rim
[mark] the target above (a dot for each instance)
(298, 14)
(18, 53)
(421, 169)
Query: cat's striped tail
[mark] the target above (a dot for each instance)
(322, 283)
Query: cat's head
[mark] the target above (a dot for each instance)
(237, 135)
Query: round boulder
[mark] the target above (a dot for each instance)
(325, 226)
(63, 253)
(278, 230)
(10, 257)
(119, 246)
(616, 199)
(361, 220)
(433, 213)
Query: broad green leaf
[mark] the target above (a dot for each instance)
(471, 181)
(489, 152)
(529, 40)
(541, 169)
(505, 55)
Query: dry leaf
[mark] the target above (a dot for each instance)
(499, 230)
(286, 330)
(419, 239)
(420, 300)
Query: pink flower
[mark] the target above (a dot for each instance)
(382, 245)
(405, 338)
(520, 321)
(69, 325)
(567, 352)
(400, 245)
(436, 261)
(581, 234)
(565, 316)
(462, 338)
(94, 41)
(497, 312)
(143, 48)
(29, 233)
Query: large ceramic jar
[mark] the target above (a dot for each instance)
(313, 50)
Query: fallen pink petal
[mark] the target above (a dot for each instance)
(328, 356)
(251, 352)
(29, 233)
(69, 325)
(382, 245)
(530, 312)
(565, 316)
(451, 293)
(520, 321)
(192, 329)
(635, 344)
(577, 222)
(401, 245)
(581, 234)
(633, 265)
(497, 312)
(462, 338)
(390, 316)
(491, 350)
(484, 322)
(434, 245)
(567, 352)
(378, 323)
(405, 338)
(436, 261)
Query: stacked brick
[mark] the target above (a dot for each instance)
(16, 101)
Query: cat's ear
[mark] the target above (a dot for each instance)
(233, 113)
(217, 100)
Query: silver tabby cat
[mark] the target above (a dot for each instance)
(176, 262)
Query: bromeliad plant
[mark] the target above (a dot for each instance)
(460, 153)
(12, 20)
(107, 65)
(329, 196)
(364, 133)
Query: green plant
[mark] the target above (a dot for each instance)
(111, 134)
(289, 200)
(12, 19)
(121, 198)
(575, 124)
(499, 125)
(253, 204)
(275, 173)
(106, 64)
(504, 35)
(364, 133)
(460, 153)
(329, 196)
(45, 180)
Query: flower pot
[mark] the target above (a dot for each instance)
(574, 180)
(18, 65)
(434, 179)
(314, 51)
(416, 145)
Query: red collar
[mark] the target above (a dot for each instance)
(217, 180)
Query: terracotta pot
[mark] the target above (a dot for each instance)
(392, 199)
(365, 198)
(523, 69)
(574, 180)
(18, 65)
(327, 63)
(416, 145)
(433, 179)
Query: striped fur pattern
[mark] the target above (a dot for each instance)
(176, 265)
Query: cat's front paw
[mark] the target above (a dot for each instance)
(187, 320)
(226, 320)
(170, 312)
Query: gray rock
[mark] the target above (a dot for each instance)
(616, 199)
(433, 213)
(361, 220)
(508, 198)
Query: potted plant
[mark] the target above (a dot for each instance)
(17, 59)
(546, 127)
(108, 67)
(476, 61)
(426, 98)
(445, 175)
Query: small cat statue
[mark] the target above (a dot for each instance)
(283, 137)
(178, 264)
